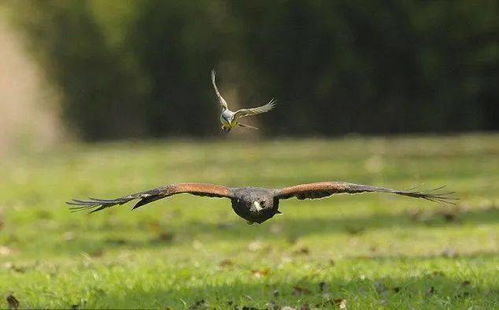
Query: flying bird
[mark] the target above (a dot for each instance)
(231, 119)
(254, 204)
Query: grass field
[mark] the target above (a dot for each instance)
(366, 251)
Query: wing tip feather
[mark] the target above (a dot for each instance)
(433, 195)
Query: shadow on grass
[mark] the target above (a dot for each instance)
(278, 228)
(425, 291)
(358, 225)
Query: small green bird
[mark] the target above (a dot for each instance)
(230, 119)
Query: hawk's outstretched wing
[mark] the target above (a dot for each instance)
(198, 189)
(254, 111)
(221, 100)
(325, 189)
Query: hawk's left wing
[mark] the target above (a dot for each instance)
(325, 189)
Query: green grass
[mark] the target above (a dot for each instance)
(372, 250)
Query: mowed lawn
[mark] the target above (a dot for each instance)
(366, 251)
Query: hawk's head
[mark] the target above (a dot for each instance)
(255, 204)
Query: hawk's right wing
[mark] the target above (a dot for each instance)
(198, 189)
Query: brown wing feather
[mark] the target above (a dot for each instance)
(198, 189)
(325, 189)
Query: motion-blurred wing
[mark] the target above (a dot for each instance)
(254, 111)
(325, 189)
(221, 100)
(198, 189)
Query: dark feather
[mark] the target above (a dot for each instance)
(146, 200)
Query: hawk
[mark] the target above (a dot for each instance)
(254, 204)
(230, 119)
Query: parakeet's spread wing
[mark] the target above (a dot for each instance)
(198, 189)
(221, 100)
(254, 111)
(325, 189)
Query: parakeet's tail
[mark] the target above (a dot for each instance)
(247, 126)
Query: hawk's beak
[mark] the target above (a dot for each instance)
(257, 205)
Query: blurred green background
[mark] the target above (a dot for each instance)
(127, 69)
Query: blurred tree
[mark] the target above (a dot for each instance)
(100, 96)
(335, 66)
(177, 43)
(369, 67)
